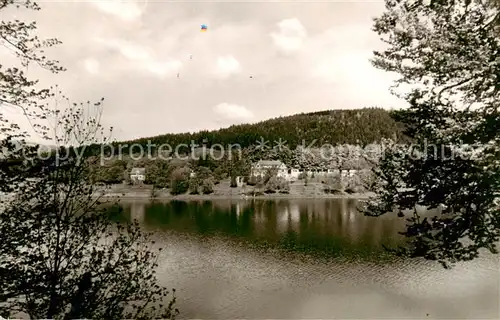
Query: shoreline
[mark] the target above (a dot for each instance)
(223, 191)
(194, 197)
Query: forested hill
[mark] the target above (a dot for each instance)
(358, 126)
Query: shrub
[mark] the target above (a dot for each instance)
(334, 184)
(218, 174)
(180, 181)
(277, 184)
(368, 179)
(194, 185)
(252, 181)
(161, 181)
(207, 186)
(233, 183)
(350, 190)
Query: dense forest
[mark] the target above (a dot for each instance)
(353, 129)
(357, 126)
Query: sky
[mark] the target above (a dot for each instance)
(258, 60)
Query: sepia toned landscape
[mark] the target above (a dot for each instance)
(249, 160)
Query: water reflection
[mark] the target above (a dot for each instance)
(221, 257)
(329, 227)
(137, 212)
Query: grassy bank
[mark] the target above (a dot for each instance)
(298, 190)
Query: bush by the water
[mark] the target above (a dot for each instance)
(180, 181)
(277, 184)
(334, 185)
(207, 186)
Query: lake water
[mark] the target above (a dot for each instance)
(305, 259)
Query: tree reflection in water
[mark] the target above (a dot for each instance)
(330, 228)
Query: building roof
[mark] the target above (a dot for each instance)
(138, 171)
(269, 163)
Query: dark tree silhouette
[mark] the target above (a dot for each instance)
(448, 53)
(61, 256)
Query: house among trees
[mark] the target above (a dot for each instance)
(279, 169)
(138, 175)
(262, 167)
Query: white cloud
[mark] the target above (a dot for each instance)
(143, 58)
(290, 37)
(91, 65)
(125, 10)
(226, 66)
(129, 50)
(233, 112)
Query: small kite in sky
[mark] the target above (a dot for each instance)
(204, 28)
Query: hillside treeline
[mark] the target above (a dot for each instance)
(350, 128)
(358, 126)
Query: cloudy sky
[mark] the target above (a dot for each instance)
(160, 74)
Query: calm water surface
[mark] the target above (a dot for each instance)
(305, 259)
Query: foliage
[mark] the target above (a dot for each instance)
(61, 256)
(154, 193)
(447, 53)
(126, 178)
(233, 183)
(239, 161)
(260, 184)
(111, 173)
(66, 258)
(17, 90)
(277, 184)
(197, 182)
(157, 172)
(179, 183)
(218, 174)
(367, 180)
(270, 173)
(207, 186)
(361, 126)
(253, 180)
(334, 184)
(194, 185)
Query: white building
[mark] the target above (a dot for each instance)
(262, 167)
(138, 175)
(293, 174)
(239, 181)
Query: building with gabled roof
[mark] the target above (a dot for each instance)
(262, 167)
(138, 175)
